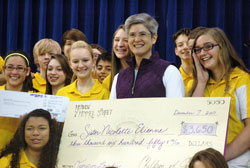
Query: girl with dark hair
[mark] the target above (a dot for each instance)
(208, 158)
(58, 74)
(16, 71)
(35, 143)
(219, 72)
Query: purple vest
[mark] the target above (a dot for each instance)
(148, 81)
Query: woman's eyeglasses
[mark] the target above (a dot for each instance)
(206, 47)
(141, 35)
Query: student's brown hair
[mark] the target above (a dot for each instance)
(210, 157)
(98, 47)
(63, 61)
(73, 34)
(184, 31)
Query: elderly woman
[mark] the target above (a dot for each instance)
(147, 74)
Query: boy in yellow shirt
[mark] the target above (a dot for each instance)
(42, 52)
(183, 51)
(184, 40)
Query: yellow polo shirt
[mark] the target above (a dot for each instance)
(106, 82)
(39, 83)
(239, 91)
(1, 63)
(187, 80)
(8, 128)
(23, 163)
(97, 92)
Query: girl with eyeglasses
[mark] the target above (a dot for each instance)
(119, 55)
(219, 72)
(16, 71)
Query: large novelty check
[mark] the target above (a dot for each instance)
(142, 133)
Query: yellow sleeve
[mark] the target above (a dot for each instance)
(106, 94)
(106, 82)
(5, 161)
(39, 83)
(1, 63)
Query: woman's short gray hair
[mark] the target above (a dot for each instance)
(142, 18)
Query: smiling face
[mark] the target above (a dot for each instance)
(120, 44)
(210, 58)
(15, 72)
(103, 69)
(141, 41)
(182, 49)
(81, 62)
(55, 74)
(36, 133)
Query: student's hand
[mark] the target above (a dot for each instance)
(202, 78)
(202, 73)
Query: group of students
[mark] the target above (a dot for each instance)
(210, 68)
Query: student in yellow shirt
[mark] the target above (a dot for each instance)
(219, 72)
(183, 51)
(103, 66)
(84, 87)
(58, 74)
(16, 71)
(35, 143)
(42, 52)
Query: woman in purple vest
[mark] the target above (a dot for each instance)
(147, 74)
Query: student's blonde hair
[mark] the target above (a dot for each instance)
(81, 44)
(44, 46)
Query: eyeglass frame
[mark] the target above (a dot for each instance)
(18, 68)
(141, 35)
(203, 48)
